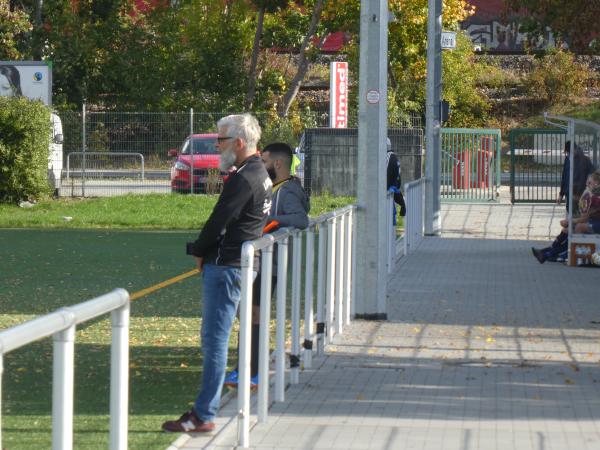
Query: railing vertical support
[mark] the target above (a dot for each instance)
(62, 387)
(391, 234)
(308, 297)
(119, 378)
(263, 339)
(330, 279)
(348, 267)
(247, 264)
(296, 291)
(1, 372)
(321, 267)
(354, 259)
(339, 274)
(282, 257)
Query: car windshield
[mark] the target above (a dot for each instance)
(203, 146)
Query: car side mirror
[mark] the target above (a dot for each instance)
(58, 139)
(173, 152)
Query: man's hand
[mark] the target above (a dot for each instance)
(559, 199)
(199, 263)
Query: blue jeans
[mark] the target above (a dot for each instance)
(221, 296)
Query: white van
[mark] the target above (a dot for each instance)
(55, 154)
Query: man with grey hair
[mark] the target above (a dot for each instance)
(239, 215)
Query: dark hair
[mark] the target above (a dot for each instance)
(280, 150)
(14, 78)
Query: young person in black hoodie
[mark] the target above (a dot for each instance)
(239, 215)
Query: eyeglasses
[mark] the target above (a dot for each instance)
(223, 138)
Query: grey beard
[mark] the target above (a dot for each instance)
(226, 160)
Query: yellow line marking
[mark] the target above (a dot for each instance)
(162, 284)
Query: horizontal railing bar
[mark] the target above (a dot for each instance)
(41, 327)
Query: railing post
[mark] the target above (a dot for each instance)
(354, 259)
(282, 257)
(339, 274)
(348, 267)
(247, 264)
(119, 378)
(62, 387)
(308, 297)
(264, 333)
(330, 279)
(321, 267)
(391, 234)
(191, 151)
(295, 319)
(1, 372)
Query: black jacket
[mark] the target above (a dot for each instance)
(582, 168)
(239, 215)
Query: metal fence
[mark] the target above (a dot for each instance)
(99, 141)
(470, 164)
(331, 157)
(61, 326)
(414, 225)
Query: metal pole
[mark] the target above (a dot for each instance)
(330, 279)
(392, 234)
(571, 136)
(84, 145)
(296, 282)
(321, 267)
(191, 150)
(432, 117)
(308, 297)
(119, 378)
(348, 267)
(62, 388)
(372, 132)
(1, 372)
(339, 274)
(263, 338)
(354, 263)
(282, 257)
(244, 352)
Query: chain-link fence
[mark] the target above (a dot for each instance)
(113, 153)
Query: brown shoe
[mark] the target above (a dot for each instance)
(188, 423)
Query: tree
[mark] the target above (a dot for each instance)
(14, 25)
(575, 21)
(303, 59)
(263, 7)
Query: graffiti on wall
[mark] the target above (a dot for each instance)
(502, 37)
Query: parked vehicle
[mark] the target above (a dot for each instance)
(207, 177)
(55, 153)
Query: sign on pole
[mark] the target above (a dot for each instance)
(31, 79)
(448, 40)
(338, 95)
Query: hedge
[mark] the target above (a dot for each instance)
(24, 145)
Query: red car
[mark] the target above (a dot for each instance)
(205, 159)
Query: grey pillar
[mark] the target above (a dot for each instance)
(432, 118)
(373, 217)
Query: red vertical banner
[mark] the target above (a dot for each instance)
(338, 95)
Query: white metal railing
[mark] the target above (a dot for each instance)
(89, 167)
(334, 264)
(61, 326)
(414, 194)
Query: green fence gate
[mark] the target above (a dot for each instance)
(470, 165)
(536, 160)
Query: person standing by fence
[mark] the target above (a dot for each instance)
(289, 208)
(394, 180)
(239, 215)
(582, 167)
